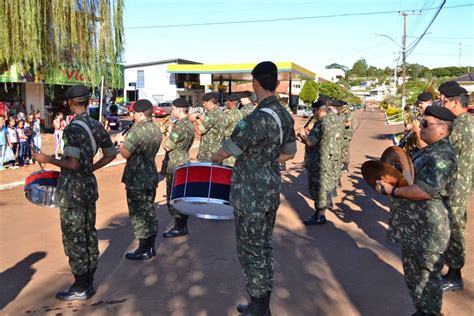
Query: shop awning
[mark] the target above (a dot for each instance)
(242, 72)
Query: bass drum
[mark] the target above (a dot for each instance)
(40, 187)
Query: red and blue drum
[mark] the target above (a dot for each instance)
(202, 190)
(40, 187)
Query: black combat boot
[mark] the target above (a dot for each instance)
(318, 218)
(145, 250)
(81, 290)
(452, 281)
(345, 168)
(256, 307)
(180, 228)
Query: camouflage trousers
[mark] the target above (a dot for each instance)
(254, 247)
(345, 156)
(142, 213)
(173, 212)
(80, 237)
(318, 191)
(455, 255)
(423, 277)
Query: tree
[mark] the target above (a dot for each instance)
(359, 68)
(309, 92)
(335, 91)
(49, 34)
(337, 66)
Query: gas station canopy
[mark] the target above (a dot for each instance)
(242, 72)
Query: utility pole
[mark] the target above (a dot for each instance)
(460, 53)
(404, 54)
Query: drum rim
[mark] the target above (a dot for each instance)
(203, 164)
(29, 199)
(200, 199)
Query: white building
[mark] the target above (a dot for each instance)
(333, 75)
(152, 81)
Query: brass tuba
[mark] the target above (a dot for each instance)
(409, 142)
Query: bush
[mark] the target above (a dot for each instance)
(390, 111)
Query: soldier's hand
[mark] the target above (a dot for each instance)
(416, 127)
(383, 187)
(41, 157)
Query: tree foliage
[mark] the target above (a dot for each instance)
(359, 68)
(309, 92)
(51, 33)
(335, 91)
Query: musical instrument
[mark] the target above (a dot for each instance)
(400, 160)
(202, 189)
(409, 142)
(394, 167)
(165, 125)
(40, 187)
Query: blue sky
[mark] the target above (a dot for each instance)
(311, 43)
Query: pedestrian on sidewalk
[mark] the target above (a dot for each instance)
(12, 140)
(58, 125)
(37, 131)
(22, 144)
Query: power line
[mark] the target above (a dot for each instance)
(286, 19)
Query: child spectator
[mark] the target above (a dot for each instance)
(37, 131)
(12, 139)
(3, 140)
(58, 124)
(23, 144)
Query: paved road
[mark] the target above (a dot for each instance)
(343, 268)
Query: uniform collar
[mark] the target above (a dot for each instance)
(268, 100)
(145, 121)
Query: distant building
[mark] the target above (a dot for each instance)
(333, 75)
(152, 81)
(467, 82)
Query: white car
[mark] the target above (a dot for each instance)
(304, 111)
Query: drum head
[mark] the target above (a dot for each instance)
(204, 208)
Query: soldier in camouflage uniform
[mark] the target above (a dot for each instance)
(247, 105)
(422, 224)
(462, 138)
(346, 137)
(232, 117)
(178, 145)
(319, 161)
(140, 176)
(209, 126)
(76, 192)
(260, 140)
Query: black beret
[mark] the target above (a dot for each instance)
(142, 105)
(454, 91)
(425, 96)
(210, 95)
(337, 103)
(246, 94)
(180, 103)
(78, 92)
(233, 97)
(322, 101)
(440, 112)
(446, 85)
(265, 67)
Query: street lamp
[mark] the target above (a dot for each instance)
(404, 66)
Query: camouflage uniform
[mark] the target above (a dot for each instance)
(212, 134)
(141, 177)
(255, 191)
(178, 143)
(422, 227)
(319, 162)
(462, 138)
(246, 109)
(76, 194)
(232, 117)
(336, 144)
(346, 138)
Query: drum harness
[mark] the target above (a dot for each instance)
(277, 119)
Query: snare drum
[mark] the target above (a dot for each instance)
(202, 190)
(40, 187)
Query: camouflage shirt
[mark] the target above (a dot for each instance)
(462, 138)
(143, 142)
(80, 187)
(232, 117)
(256, 144)
(246, 109)
(212, 133)
(347, 116)
(424, 225)
(179, 143)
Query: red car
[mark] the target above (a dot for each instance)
(159, 111)
(130, 106)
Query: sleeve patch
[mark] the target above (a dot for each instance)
(441, 165)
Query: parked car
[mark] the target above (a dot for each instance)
(158, 111)
(304, 111)
(121, 109)
(166, 106)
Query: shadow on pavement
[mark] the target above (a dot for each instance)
(10, 281)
